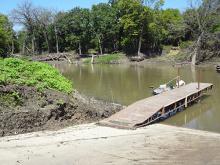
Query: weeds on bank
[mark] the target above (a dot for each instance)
(41, 75)
(105, 59)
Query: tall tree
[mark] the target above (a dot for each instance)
(44, 18)
(204, 13)
(24, 15)
(104, 26)
(134, 20)
(74, 27)
(6, 36)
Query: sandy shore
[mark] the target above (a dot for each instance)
(92, 144)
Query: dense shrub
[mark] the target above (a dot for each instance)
(40, 75)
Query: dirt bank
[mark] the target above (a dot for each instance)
(24, 109)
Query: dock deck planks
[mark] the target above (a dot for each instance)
(141, 110)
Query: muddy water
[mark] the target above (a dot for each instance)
(126, 84)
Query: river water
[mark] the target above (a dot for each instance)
(126, 84)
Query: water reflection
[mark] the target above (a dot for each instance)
(126, 84)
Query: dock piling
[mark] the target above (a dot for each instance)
(199, 78)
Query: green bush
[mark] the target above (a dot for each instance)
(87, 60)
(105, 59)
(41, 75)
(185, 44)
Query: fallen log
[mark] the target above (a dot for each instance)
(52, 57)
(137, 58)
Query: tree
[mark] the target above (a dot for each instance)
(6, 36)
(104, 26)
(44, 18)
(173, 27)
(22, 36)
(24, 15)
(134, 21)
(74, 28)
(206, 16)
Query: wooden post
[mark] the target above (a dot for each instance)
(186, 104)
(178, 77)
(92, 60)
(163, 110)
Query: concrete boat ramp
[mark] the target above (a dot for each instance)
(96, 145)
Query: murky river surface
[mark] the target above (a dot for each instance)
(126, 84)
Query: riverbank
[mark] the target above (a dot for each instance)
(83, 144)
(24, 109)
(170, 55)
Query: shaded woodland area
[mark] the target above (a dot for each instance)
(131, 26)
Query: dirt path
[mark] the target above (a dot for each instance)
(91, 144)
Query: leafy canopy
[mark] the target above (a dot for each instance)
(5, 34)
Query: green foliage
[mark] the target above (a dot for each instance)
(186, 44)
(87, 60)
(167, 48)
(105, 59)
(16, 97)
(41, 75)
(5, 35)
(134, 22)
(74, 29)
(10, 99)
(104, 26)
(168, 26)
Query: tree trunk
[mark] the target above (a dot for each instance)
(139, 45)
(32, 44)
(12, 47)
(196, 51)
(23, 48)
(100, 46)
(57, 42)
(140, 42)
(47, 41)
(115, 47)
(80, 49)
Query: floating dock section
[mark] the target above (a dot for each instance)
(156, 108)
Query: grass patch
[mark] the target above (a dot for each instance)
(87, 60)
(167, 48)
(105, 59)
(37, 74)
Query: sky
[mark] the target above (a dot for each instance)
(6, 6)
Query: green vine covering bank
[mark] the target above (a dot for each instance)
(37, 74)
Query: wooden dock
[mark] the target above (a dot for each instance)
(218, 68)
(156, 108)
